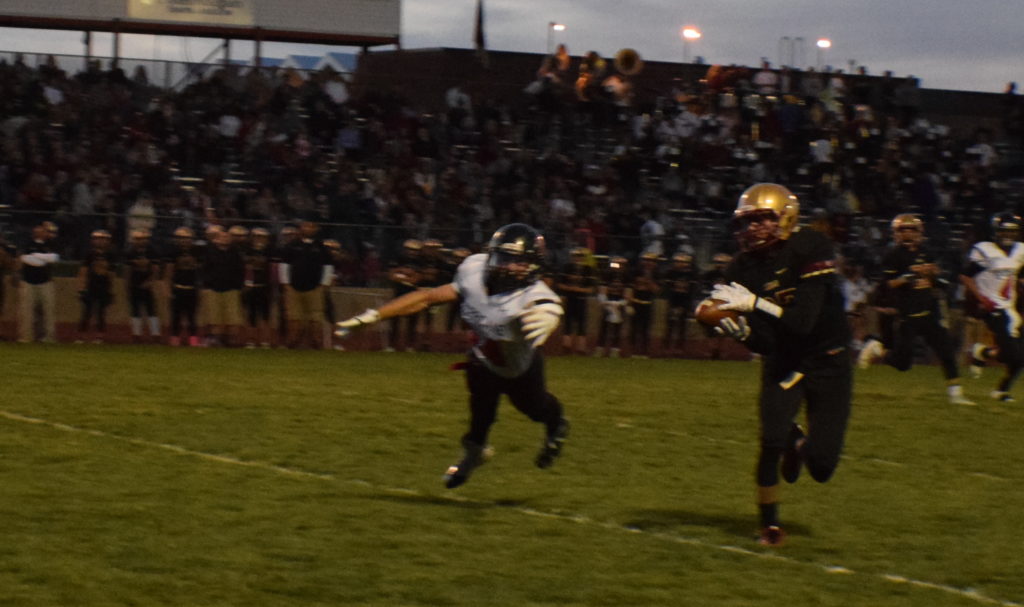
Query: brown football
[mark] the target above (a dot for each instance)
(709, 314)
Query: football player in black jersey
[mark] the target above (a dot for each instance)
(142, 264)
(784, 284)
(405, 275)
(576, 284)
(680, 282)
(644, 289)
(181, 271)
(912, 274)
(257, 291)
(95, 280)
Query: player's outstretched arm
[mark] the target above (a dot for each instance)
(410, 303)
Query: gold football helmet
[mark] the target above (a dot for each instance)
(907, 221)
(763, 198)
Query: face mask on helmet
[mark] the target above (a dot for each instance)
(1007, 229)
(1006, 236)
(756, 229)
(514, 259)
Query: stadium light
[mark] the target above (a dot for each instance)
(552, 28)
(823, 44)
(689, 34)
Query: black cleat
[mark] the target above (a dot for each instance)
(772, 535)
(792, 459)
(552, 446)
(473, 456)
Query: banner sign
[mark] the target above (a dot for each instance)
(218, 12)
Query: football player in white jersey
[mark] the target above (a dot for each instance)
(991, 279)
(512, 312)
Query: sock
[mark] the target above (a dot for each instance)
(769, 514)
(136, 326)
(955, 390)
(154, 326)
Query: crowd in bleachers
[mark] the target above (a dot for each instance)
(590, 164)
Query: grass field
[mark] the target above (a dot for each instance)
(154, 476)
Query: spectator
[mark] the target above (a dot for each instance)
(37, 301)
(142, 214)
(766, 81)
(613, 296)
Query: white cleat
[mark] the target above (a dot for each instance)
(961, 400)
(1003, 397)
(872, 350)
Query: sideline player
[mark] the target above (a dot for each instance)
(911, 275)
(784, 283)
(512, 313)
(991, 278)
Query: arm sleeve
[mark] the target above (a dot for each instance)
(815, 266)
(327, 277)
(891, 266)
(284, 273)
(39, 259)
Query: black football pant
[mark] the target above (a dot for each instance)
(675, 324)
(527, 392)
(575, 321)
(827, 388)
(257, 305)
(640, 336)
(1011, 349)
(409, 322)
(901, 356)
(139, 300)
(94, 304)
(610, 334)
(183, 307)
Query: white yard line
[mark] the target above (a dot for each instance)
(967, 593)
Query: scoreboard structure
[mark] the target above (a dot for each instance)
(333, 22)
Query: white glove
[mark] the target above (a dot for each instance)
(345, 327)
(736, 297)
(736, 329)
(739, 298)
(540, 321)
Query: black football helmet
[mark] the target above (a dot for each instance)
(515, 256)
(1006, 228)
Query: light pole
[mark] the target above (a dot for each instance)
(552, 28)
(689, 34)
(823, 43)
